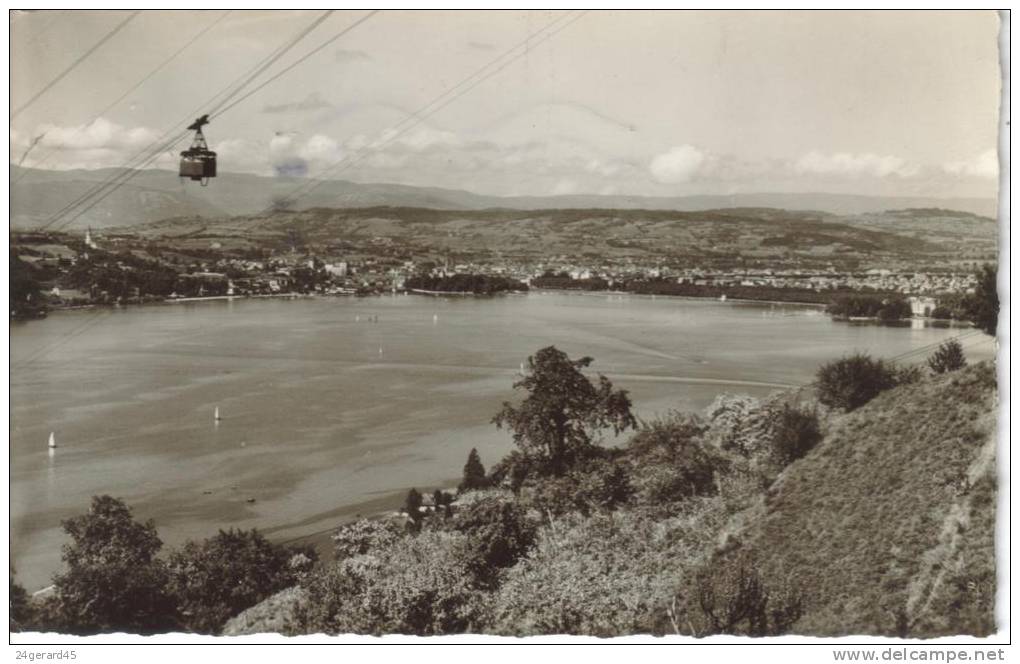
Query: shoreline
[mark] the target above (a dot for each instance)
(417, 291)
(562, 291)
(580, 291)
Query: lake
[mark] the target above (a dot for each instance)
(335, 406)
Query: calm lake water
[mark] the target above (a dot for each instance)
(335, 406)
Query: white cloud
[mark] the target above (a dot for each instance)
(426, 137)
(101, 134)
(679, 164)
(846, 163)
(321, 148)
(99, 144)
(985, 165)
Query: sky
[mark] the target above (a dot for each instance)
(600, 102)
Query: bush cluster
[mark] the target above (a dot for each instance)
(114, 581)
(851, 382)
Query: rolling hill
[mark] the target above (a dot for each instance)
(763, 234)
(889, 524)
(155, 194)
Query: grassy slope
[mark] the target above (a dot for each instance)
(888, 526)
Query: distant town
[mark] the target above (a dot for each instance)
(60, 270)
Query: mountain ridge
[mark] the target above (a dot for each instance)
(152, 195)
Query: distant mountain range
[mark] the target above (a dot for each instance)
(151, 195)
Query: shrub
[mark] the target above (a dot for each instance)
(605, 485)
(729, 422)
(498, 534)
(364, 536)
(113, 582)
(224, 575)
(853, 381)
(670, 483)
(600, 484)
(418, 585)
(730, 597)
(947, 357)
(609, 574)
(671, 461)
(666, 438)
(474, 473)
(796, 432)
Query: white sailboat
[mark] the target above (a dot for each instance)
(216, 414)
(53, 441)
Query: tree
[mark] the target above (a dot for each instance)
(20, 607)
(563, 411)
(947, 357)
(796, 432)
(113, 582)
(474, 473)
(225, 575)
(25, 291)
(412, 505)
(853, 381)
(984, 304)
(498, 534)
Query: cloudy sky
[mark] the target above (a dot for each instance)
(657, 103)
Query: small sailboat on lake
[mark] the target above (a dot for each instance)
(52, 444)
(216, 415)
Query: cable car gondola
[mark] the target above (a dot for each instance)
(198, 162)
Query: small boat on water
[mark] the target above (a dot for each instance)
(722, 298)
(216, 414)
(53, 441)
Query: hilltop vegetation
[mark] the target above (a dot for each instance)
(755, 234)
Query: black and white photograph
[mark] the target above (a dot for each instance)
(537, 325)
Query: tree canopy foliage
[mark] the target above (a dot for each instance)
(857, 305)
(564, 411)
(853, 381)
(215, 580)
(114, 581)
(947, 357)
(474, 473)
(984, 306)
